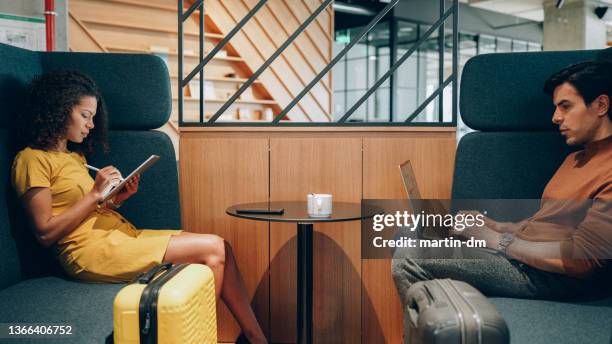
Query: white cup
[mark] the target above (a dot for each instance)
(268, 115)
(319, 205)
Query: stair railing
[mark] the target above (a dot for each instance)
(182, 17)
(438, 25)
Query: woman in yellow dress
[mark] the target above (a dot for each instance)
(92, 241)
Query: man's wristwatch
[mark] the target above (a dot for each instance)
(505, 239)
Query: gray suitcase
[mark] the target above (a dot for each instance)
(447, 311)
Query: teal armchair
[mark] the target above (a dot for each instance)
(512, 154)
(136, 89)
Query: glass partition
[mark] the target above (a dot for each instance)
(358, 71)
(415, 80)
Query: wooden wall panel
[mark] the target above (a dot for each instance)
(216, 67)
(321, 164)
(192, 110)
(124, 13)
(303, 9)
(354, 299)
(297, 55)
(214, 174)
(305, 41)
(432, 156)
(82, 39)
(138, 40)
(432, 160)
(315, 48)
(158, 3)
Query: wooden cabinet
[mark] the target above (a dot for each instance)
(354, 298)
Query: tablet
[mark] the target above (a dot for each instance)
(113, 190)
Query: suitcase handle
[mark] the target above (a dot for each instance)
(419, 302)
(146, 277)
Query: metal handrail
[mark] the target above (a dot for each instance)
(271, 59)
(190, 10)
(182, 17)
(455, 59)
(436, 93)
(223, 42)
(407, 54)
(438, 25)
(338, 57)
(440, 66)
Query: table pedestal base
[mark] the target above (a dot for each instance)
(304, 285)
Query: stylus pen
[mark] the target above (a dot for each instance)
(95, 169)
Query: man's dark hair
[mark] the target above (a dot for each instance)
(590, 78)
(50, 100)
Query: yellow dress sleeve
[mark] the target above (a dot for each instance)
(30, 169)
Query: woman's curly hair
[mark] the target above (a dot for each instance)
(50, 100)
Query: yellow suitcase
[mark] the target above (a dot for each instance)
(168, 304)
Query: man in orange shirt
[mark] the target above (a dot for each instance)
(563, 249)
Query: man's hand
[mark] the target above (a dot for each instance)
(130, 188)
(500, 227)
(490, 236)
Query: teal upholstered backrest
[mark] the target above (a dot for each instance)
(156, 205)
(136, 89)
(17, 67)
(9, 260)
(517, 148)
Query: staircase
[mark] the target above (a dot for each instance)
(299, 64)
(150, 26)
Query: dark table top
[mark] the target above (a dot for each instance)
(296, 211)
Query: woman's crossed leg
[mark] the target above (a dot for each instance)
(217, 254)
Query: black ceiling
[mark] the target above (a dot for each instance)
(345, 20)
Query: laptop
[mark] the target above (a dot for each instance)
(410, 185)
(417, 204)
(430, 206)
